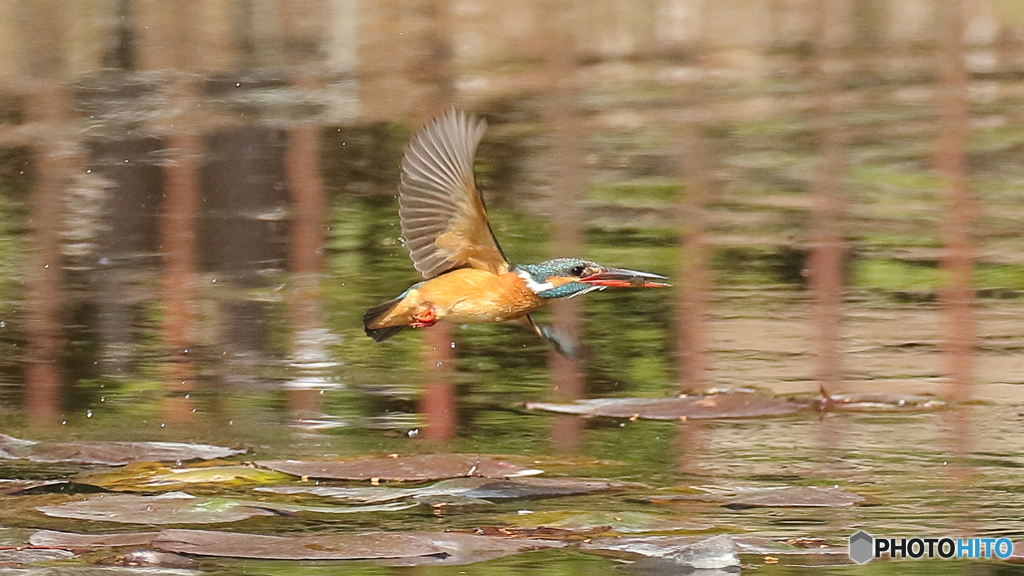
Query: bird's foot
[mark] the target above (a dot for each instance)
(424, 319)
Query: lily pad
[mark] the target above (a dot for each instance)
(109, 453)
(416, 468)
(476, 488)
(182, 508)
(780, 496)
(403, 547)
(56, 539)
(170, 508)
(697, 407)
(147, 476)
(878, 403)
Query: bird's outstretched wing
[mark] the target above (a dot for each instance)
(443, 217)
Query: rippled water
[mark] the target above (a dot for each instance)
(198, 204)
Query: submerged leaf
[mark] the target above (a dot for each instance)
(417, 468)
(146, 476)
(623, 522)
(776, 496)
(71, 540)
(400, 547)
(109, 453)
(632, 547)
(697, 407)
(878, 403)
(475, 488)
(171, 508)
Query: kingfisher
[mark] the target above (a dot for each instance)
(466, 276)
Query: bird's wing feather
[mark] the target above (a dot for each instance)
(444, 221)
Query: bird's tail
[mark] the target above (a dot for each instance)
(372, 314)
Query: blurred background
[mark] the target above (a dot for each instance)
(198, 202)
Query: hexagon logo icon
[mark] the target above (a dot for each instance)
(862, 547)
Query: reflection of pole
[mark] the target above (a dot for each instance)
(695, 168)
(693, 284)
(957, 295)
(177, 235)
(569, 182)
(825, 260)
(49, 109)
(306, 255)
(437, 402)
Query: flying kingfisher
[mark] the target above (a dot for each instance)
(466, 275)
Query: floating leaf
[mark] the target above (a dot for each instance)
(878, 403)
(26, 487)
(417, 468)
(146, 476)
(697, 407)
(32, 555)
(71, 540)
(150, 558)
(410, 547)
(170, 508)
(109, 453)
(780, 496)
(476, 488)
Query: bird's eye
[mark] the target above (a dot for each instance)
(577, 271)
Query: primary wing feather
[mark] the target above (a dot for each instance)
(443, 217)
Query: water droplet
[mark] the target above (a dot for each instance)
(193, 410)
(438, 365)
(187, 396)
(453, 345)
(413, 433)
(3, 324)
(125, 160)
(89, 171)
(185, 351)
(162, 425)
(238, 84)
(46, 265)
(214, 280)
(524, 512)
(231, 422)
(63, 422)
(88, 413)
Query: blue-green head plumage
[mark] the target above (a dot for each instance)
(541, 277)
(568, 277)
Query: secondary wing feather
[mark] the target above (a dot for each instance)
(444, 221)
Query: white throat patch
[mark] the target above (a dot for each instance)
(533, 285)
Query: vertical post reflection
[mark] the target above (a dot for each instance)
(437, 402)
(568, 185)
(306, 255)
(177, 235)
(957, 294)
(693, 274)
(48, 109)
(824, 265)
(695, 170)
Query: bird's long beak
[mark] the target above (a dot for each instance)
(621, 278)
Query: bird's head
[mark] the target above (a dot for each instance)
(568, 277)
